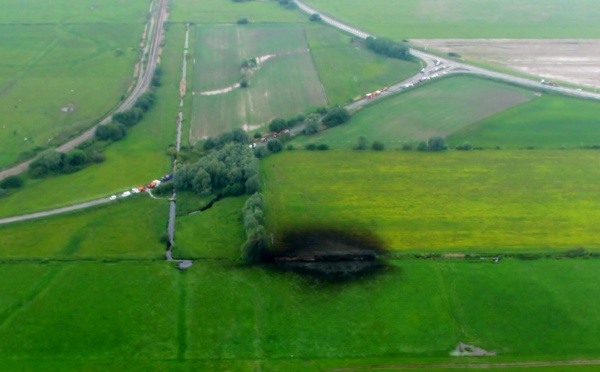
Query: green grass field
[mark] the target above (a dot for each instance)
(124, 229)
(546, 122)
(284, 85)
(438, 108)
(136, 160)
(467, 18)
(73, 11)
(219, 11)
(230, 317)
(48, 69)
(482, 201)
(348, 70)
(214, 233)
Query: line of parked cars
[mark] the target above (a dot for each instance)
(143, 188)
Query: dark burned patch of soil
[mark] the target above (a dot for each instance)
(328, 254)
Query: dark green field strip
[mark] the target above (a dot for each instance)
(546, 122)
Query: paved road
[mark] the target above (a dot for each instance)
(54, 211)
(146, 72)
(433, 61)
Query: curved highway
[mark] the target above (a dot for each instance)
(146, 72)
(445, 66)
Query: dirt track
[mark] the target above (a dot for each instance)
(576, 61)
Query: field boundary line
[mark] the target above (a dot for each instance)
(578, 362)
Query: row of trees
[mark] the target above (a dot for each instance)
(52, 161)
(237, 135)
(254, 227)
(231, 170)
(389, 48)
(117, 128)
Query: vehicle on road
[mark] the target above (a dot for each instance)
(114, 197)
(126, 194)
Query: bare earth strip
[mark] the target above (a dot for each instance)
(574, 60)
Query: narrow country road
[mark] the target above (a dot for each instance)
(51, 212)
(145, 74)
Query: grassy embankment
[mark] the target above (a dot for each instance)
(468, 18)
(437, 108)
(468, 202)
(137, 159)
(285, 84)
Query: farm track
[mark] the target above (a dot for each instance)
(470, 366)
(144, 79)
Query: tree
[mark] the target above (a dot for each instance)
(437, 143)
(378, 146)
(76, 158)
(422, 146)
(362, 143)
(48, 161)
(336, 116)
(244, 83)
(243, 21)
(277, 125)
(323, 147)
(315, 17)
(111, 131)
(11, 182)
(275, 146)
(312, 124)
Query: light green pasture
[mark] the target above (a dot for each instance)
(478, 201)
(404, 19)
(437, 108)
(227, 11)
(49, 70)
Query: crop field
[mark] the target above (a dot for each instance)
(546, 122)
(348, 70)
(135, 160)
(482, 201)
(73, 11)
(436, 109)
(219, 11)
(58, 80)
(284, 84)
(467, 18)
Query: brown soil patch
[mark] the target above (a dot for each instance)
(575, 61)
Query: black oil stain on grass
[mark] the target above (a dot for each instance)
(328, 254)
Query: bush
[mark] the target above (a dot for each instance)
(261, 152)
(311, 147)
(290, 147)
(389, 48)
(407, 146)
(362, 143)
(244, 83)
(277, 125)
(336, 116)
(257, 135)
(422, 146)
(465, 147)
(275, 146)
(378, 146)
(323, 147)
(437, 143)
(315, 17)
(11, 182)
(243, 21)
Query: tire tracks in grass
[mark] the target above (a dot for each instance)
(182, 329)
(449, 298)
(35, 291)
